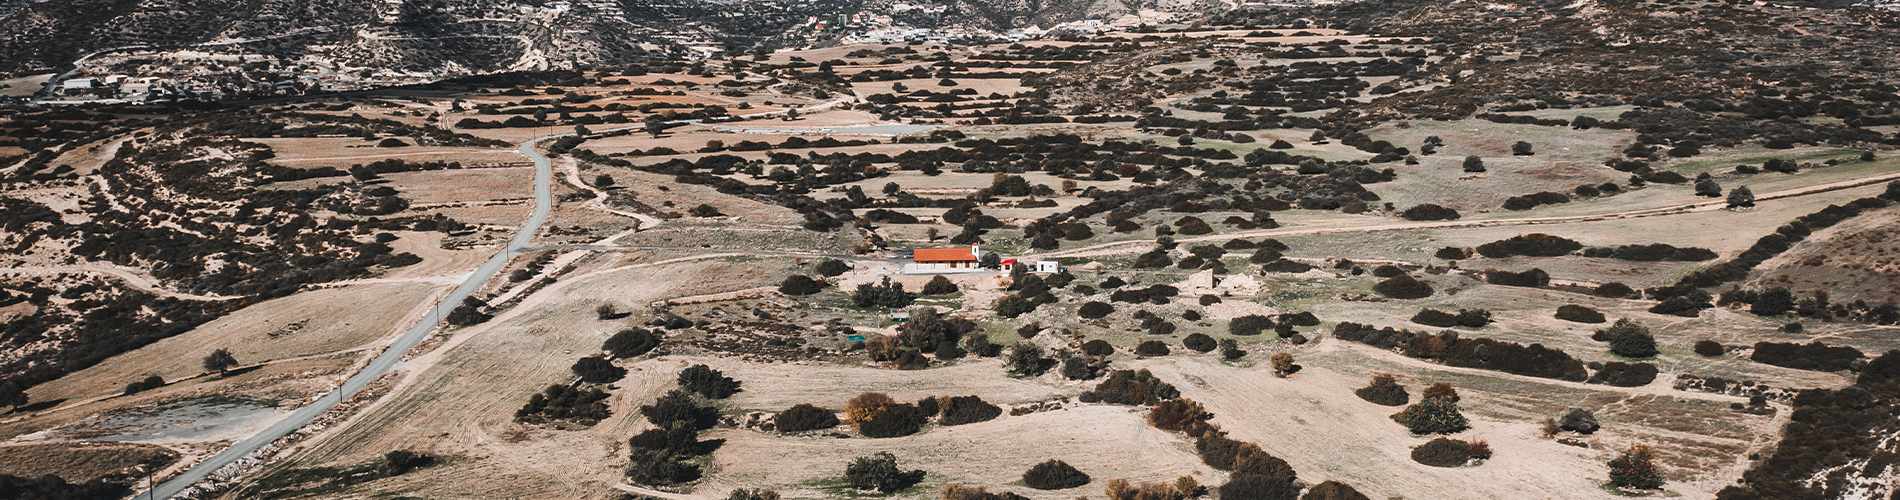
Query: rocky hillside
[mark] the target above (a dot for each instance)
(472, 36)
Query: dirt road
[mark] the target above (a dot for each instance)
(131, 277)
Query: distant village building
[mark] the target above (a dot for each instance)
(78, 86)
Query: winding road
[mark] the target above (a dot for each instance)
(390, 356)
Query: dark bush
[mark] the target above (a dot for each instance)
(1622, 374)
(1429, 211)
(1181, 415)
(1580, 421)
(1474, 318)
(1633, 344)
(1132, 388)
(1579, 314)
(660, 467)
(53, 487)
(939, 286)
(1333, 490)
(677, 408)
(1452, 253)
(1403, 286)
(1098, 347)
(896, 421)
(1387, 271)
(1249, 325)
(1614, 290)
(1285, 266)
(1709, 348)
(707, 382)
(832, 267)
(1446, 452)
(398, 462)
(880, 473)
(1094, 310)
(1199, 342)
(145, 384)
(1533, 278)
(1054, 475)
(804, 417)
(1384, 390)
(1815, 356)
(1529, 245)
(961, 410)
(598, 370)
(1152, 348)
(1434, 317)
(799, 285)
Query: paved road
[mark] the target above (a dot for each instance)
(543, 203)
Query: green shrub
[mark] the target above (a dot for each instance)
(880, 473)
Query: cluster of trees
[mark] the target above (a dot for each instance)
(1776, 301)
(1468, 318)
(51, 486)
(1815, 356)
(1781, 240)
(1530, 245)
(1533, 200)
(877, 415)
(1128, 387)
(1253, 472)
(1827, 432)
(886, 294)
(664, 454)
(582, 405)
(1653, 252)
(1447, 347)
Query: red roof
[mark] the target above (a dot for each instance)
(956, 254)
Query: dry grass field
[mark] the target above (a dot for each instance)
(1156, 169)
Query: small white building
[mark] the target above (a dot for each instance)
(78, 86)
